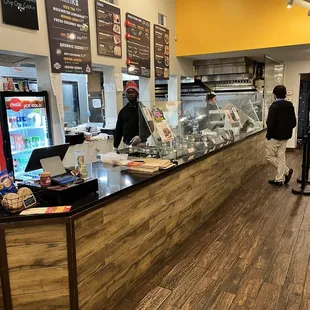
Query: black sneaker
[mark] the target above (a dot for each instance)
(276, 183)
(289, 176)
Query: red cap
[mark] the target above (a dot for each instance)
(131, 85)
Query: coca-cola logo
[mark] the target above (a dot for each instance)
(16, 104)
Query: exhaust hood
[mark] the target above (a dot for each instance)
(227, 74)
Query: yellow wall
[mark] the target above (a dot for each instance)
(211, 26)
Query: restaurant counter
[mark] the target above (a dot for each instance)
(93, 255)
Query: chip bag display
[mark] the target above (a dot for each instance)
(7, 183)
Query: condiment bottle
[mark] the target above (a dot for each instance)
(45, 179)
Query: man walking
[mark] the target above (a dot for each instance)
(280, 124)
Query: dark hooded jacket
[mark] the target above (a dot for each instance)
(281, 120)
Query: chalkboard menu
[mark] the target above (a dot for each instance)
(109, 35)
(68, 28)
(162, 52)
(21, 13)
(138, 46)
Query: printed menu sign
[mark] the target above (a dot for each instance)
(109, 35)
(68, 27)
(162, 125)
(138, 46)
(162, 52)
(21, 13)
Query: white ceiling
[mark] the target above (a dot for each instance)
(285, 53)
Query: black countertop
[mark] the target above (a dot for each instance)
(114, 182)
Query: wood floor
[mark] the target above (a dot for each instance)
(253, 253)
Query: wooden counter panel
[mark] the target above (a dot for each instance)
(1, 297)
(137, 232)
(52, 300)
(38, 268)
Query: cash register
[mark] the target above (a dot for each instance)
(65, 186)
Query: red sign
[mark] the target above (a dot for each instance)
(16, 104)
(2, 157)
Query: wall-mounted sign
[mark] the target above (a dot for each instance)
(21, 13)
(109, 34)
(138, 46)
(68, 29)
(161, 52)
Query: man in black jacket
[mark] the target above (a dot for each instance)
(131, 125)
(280, 124)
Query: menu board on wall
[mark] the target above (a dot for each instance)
(109, 34)
(161, 52)
(68, 28)
(21, 13)
(138, 46)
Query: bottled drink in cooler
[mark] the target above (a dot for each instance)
(14, 122)
(27, 142)
(19, 143)
(12, 139)
(19, 121)
(15, 165)
(24, 121)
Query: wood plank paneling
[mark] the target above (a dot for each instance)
(141, 230)
(1, 297)
(51, 301)
(38, 268)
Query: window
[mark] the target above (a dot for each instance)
(162, 20)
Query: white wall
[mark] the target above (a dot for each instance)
(292, 82)
(30, 42)
(34, 44)
(23, 41)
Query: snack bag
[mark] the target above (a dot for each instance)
(6, 183)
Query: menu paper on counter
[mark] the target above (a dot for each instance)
(109, 33)
(21, 13)
(161, 125)
(69, 36)
(161, 52)
(50, 210)
(138, 46)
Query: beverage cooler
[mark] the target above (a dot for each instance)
(25, 125)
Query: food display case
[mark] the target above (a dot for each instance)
(183, 134)
(245, 111)
(173, 136)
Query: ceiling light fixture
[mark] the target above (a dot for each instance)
(290, 4)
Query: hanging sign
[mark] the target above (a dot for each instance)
(161, 52)
(109, 31)
(21, 13)
(138, 46)
(69, 37)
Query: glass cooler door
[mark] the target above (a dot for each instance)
(28, 128)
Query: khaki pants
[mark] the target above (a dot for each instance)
(276, 157)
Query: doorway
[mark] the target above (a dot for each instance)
(71, 103)
(304, 104)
